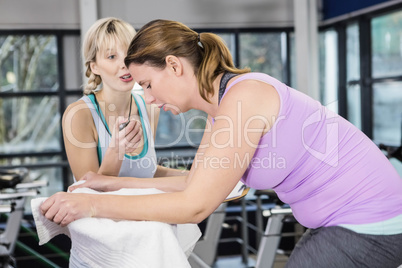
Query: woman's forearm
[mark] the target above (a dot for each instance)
(146, 206)
(162, 171)
(111, 163)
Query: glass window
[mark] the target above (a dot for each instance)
(293, 73)
(386, 34)
(353, 94)
(354, 105)
(353, 52)
(328, 67)
(264, 52)
(29, 124)
(180, 130)
(28, 63)
(387, 113)
(229, 39)
(73, 62)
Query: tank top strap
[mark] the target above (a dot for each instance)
(89, 100)
(224, 82)
(100, 126)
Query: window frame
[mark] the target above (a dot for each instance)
(61, 93)
(366, 80)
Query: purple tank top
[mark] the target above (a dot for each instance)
(326, 169)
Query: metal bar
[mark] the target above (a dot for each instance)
(41, 258)
(342, 71)
(33, 184)
(16, 195)
(244, 231)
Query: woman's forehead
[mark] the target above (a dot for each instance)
(111, 43)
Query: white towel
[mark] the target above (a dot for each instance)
(100, 242)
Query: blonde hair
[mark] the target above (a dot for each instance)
(102, 34)
(207, 52)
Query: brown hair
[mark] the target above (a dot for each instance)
(207, 52)
(102, 34)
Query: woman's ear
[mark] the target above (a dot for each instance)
(174, 64)
(94, 67)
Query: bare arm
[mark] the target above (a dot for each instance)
(216, 170)
(80, 139)
(108, 183)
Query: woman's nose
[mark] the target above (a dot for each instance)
(149, 99)
(121, 59)
(123, 66)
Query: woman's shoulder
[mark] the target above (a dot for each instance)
(78, 123)
(255, 96)
(77, 111)
(251, 87)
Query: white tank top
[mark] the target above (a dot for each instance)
(140, 166)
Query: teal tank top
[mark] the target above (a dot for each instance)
(141, 166)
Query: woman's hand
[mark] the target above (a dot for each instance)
(63, 208)
(128, 139)
(97, 182)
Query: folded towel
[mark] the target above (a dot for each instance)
(100, 242)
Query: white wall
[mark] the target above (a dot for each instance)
(204, 13)
(65, 14)
(39, 14)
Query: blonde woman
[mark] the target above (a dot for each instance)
(110, 130)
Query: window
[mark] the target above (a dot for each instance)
(30, 124)
(264, 52)
(386, 32)
(372, 93)
(32, 100)
(328, 66)
(353, 75)
(185, 129)
(387, 111)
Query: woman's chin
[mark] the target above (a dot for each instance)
(173, 110)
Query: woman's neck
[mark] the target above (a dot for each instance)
(212, 107)
(116, 103)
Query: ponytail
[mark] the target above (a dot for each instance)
(216, 60)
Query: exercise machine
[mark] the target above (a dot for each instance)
(15, 187)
